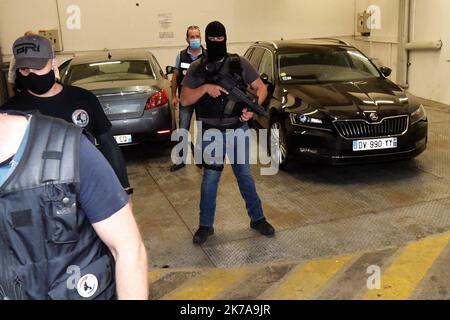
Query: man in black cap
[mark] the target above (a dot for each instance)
(36, 63)
(12, 88)
(211, 101)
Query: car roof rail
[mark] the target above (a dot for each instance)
(270, 42)
(334, 40)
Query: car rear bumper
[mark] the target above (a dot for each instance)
(328, 147)
(155, 125)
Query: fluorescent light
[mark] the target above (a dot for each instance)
(104, 63)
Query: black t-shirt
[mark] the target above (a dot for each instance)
(73, 104)
(195, 79)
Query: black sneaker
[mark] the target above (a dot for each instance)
(202, 234)
(177, 167)
(263, 227)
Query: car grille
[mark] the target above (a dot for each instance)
(352, 129)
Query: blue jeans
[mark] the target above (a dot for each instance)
(186, 117)
(185, 123)
(242, 172)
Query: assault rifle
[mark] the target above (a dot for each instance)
(231, 84)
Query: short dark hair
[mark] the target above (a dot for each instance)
(191, 28)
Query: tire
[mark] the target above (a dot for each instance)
(279, 138)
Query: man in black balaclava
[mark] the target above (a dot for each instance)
(211, 101)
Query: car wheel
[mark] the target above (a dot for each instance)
(278, 140)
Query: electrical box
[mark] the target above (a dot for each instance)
(53, 37)
(364, 21)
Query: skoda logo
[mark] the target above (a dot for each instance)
(373, 116)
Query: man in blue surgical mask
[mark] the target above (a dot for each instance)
(184, 59)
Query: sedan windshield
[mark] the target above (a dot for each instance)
(319, 65)
(109, 71)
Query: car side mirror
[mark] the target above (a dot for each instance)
(386, 71)
(169, 70)
(265, 78)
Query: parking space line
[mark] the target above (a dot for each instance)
(155, 275)
(209, 285)
(305, 281)
(408, 269)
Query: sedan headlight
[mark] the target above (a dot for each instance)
(418, 115)
(302, 119)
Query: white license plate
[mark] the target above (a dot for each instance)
(375, 144)
(123, 139)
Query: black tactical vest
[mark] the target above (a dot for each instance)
(220, 113)
(48, 248)
(185, 62)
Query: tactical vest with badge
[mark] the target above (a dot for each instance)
(220, 113)
(185, 63)
(48, 248)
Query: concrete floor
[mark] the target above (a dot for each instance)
(318, 212)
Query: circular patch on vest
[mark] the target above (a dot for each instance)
(184, 72)
(87, 286)
(80, 117)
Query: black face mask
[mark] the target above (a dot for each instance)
(216, 50)
(37, 84)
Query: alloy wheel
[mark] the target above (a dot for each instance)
(278, 142)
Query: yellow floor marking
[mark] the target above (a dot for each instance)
(305, 281)
(157, 274)
(408, 269)
(208, 285)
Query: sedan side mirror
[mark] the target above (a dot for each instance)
(169, 70)
(265, 78)
(386, 71)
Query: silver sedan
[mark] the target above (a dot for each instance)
(132, 89)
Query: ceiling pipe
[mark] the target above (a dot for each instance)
(424, 45)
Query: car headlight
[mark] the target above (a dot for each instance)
(418, 115)
(302, 119)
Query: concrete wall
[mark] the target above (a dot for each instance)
(382, 44)
(116, 24)
(429, 72)
(429, 21)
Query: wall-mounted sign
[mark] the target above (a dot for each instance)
(165, 33)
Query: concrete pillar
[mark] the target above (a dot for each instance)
(403, 39)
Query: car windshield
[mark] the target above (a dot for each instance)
(109, 71)
(324, 64)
